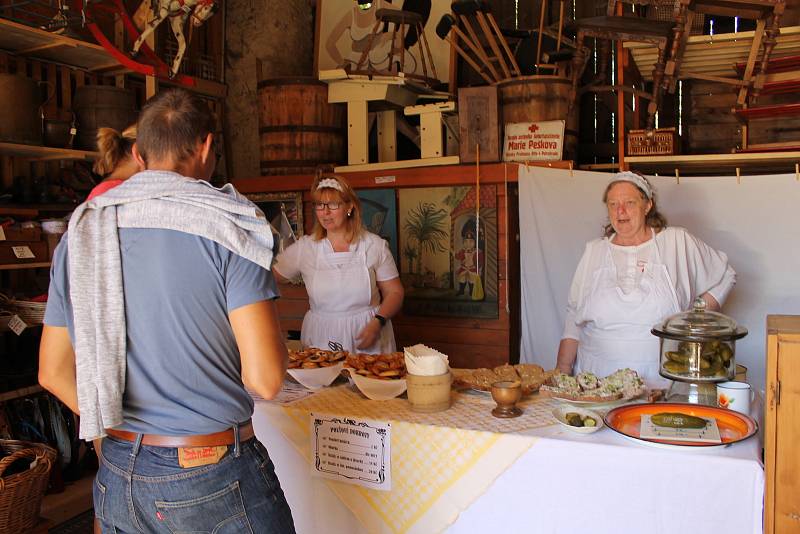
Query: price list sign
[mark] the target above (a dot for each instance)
(355, 451)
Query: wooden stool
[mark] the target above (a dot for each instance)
(403, 22)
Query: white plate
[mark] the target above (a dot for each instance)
(601, 404)
(560, 414)
(375, 389)
(320, 377)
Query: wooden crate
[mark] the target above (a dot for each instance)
(662, 142)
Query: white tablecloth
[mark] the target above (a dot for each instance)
(566, 483)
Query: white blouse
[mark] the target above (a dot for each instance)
(693, 266)
(298, 260)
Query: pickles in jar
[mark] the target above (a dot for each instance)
(676, 367)
(708, 359)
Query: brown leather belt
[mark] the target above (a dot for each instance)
(226, 437)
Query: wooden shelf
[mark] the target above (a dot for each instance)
(767, 112)
(44, 153)
(715, 55)
(16, 266)
(716, 163)
(25, 41)
(21, 392)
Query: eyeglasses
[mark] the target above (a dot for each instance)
(629, 204)
(333, 206)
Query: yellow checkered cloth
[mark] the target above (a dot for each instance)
(441, 462)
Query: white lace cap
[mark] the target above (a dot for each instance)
(636, 180)
(330, 183)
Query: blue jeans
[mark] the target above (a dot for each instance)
(140, 488)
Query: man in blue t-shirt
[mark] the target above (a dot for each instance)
(200, 323)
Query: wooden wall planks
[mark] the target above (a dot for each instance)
(711, 128)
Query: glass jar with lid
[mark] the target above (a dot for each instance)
(698, 345)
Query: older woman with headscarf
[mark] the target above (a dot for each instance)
(638, 274)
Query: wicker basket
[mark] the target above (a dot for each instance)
(21, 493)
(661, 142)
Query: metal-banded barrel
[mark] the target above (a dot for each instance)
(298, 128)
(541, 98)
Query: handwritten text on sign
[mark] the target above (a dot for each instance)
(352, 450)
(533, 141)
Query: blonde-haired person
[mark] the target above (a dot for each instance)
(352, 281)
(116, 162)
(638, 274)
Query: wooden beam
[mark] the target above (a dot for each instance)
(709, 78)
(751, 61)
(402, 164)
(491, 173)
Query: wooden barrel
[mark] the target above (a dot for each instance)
(541, 98)
(101, 106)
(299, 130)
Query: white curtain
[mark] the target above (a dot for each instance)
(755, 221)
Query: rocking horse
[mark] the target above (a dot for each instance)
(177, 11)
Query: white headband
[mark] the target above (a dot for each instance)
(331, 183)
(636, 180)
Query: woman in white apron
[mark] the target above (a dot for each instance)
(352, 281)
(638, 275)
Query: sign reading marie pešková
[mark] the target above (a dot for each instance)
(533, 141)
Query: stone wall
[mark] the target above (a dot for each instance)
(280, 34)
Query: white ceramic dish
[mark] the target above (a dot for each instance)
(375, 389)
(320, 377)
(560, 415)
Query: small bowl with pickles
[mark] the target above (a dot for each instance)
(577, 419)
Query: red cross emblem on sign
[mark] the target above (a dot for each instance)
(533, 128)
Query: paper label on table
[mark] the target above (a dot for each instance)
(2, 234)
(354, 451)
(533, 141)
(23, 253)
(709, 434)
(384, 179)
(17, 325)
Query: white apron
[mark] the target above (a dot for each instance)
(616, 332)
(341, 295)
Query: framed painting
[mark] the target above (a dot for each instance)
(344, 28)
(272, 204)
(448, 251)
(379, 215)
